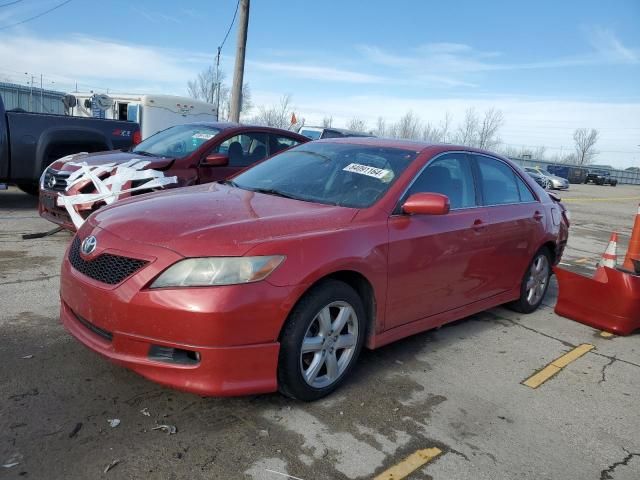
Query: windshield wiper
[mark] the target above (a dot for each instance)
(143, 153)
(231, 183)
(277, 193)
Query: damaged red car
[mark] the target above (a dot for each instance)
(75, 186)
(276, 278)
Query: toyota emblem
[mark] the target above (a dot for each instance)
(89, 245)
(51, 182)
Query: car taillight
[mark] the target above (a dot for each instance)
(137, 137)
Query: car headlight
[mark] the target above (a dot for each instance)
(44, 173)
(209, 271)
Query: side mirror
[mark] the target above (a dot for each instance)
(426, 204)
(216, 160)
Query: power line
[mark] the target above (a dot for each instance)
(233, 20)
(35, 16)
(10, 3)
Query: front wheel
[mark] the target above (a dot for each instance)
(534, 284)
(321, 341)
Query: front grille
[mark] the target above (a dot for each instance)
(60, 178)
(105, 268)
(107, 335)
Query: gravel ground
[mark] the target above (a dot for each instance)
(457, 388)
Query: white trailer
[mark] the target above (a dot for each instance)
(152, 112)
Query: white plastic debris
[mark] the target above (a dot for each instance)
(10, 465)
(169, 429)
(145, 412)
(26, 357)
(111, 465)
(114, 422)
(110, 188)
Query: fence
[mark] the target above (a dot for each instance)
(623, 176)
(31, 99)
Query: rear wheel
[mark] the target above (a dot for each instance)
(534, 284)
(321, 341)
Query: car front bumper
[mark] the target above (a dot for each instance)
(217, 341)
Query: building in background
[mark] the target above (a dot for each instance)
(31, 99)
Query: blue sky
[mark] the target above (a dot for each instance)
(549, 66)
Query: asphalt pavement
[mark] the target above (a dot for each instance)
(447, 404)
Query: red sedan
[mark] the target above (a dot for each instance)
(179, 156)
(276, 278)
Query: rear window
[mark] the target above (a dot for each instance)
(312, 134)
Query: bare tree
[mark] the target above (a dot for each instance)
(327, 122)
(407, 127)
(209, 86)
(431, 133)
(487, 132)
(468, 131)
(585, 140)
(445, 128)
(278, 116)
(381, 127)
(357, 125)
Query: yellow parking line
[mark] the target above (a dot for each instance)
(558, 364)
(597, 199)
(604, 334)
(409, 464)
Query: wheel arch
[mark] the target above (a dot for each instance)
(363, 287)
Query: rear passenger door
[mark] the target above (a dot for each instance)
(515, 222)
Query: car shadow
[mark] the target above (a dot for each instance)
(15, 199)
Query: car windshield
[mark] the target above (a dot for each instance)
(347, 175)
(312, 134)
(177, 141)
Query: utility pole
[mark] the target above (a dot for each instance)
(238, 72)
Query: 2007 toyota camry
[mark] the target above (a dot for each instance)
(277, 278)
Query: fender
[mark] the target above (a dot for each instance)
(64, 135)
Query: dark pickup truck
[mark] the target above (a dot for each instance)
(600, 177)
(29, 142)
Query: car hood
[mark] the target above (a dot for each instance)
(114, 156)
(215, 219)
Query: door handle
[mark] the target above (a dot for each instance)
(538, 216)
(479, 225)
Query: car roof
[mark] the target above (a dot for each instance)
(242, 126)
(343, 131)
(419, 146)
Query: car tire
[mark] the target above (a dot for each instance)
(30, 188)
(535, 283)
(312, 374)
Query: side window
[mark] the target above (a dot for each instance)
(499, 182)
(523, 190)
(450, 175)
(278, 143)
(244, 149)
(331, 134)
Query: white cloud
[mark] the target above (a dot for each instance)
(316, 72)
(611, 49)
(103, 62)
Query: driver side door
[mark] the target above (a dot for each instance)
(437, 262)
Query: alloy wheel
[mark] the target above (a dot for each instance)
(329, 344)
(538, 279)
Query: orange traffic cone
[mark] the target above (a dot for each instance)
(609, 258)
(633, 252)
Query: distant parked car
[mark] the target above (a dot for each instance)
(276, 278)
(600, 177)
(540, 179)
(554, 182)
(317, 133)
(194, 153)
(572, 173)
